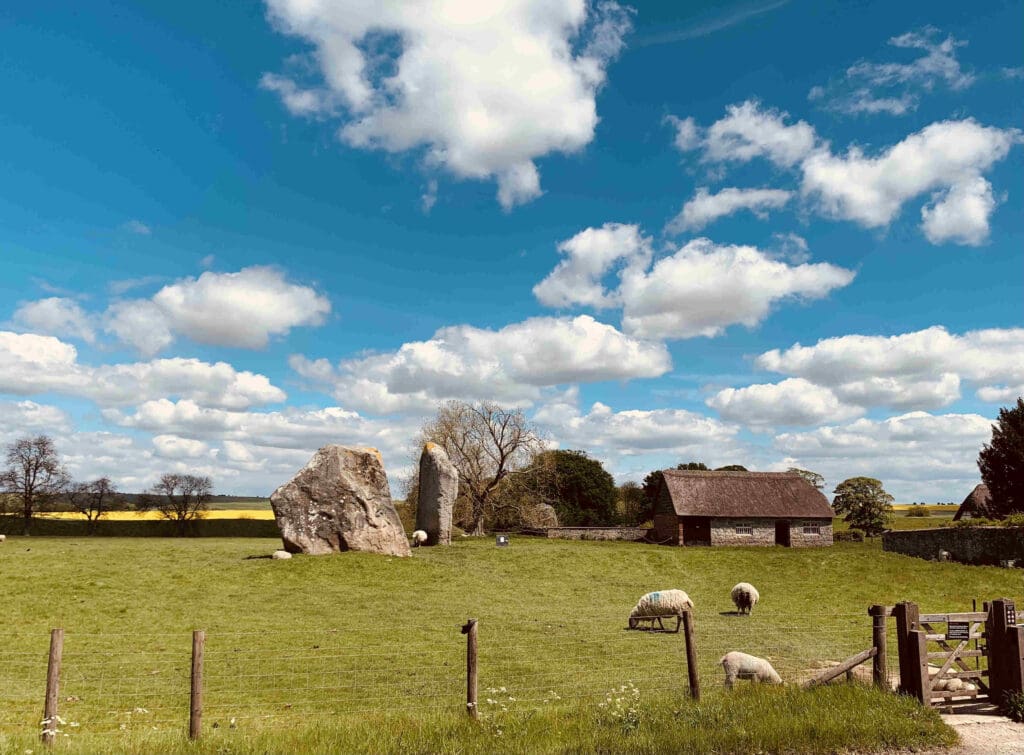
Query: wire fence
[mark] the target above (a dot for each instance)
(113, 682)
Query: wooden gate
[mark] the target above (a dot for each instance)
(960, 656)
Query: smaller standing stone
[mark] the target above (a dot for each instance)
(439, 486)
(545, 516)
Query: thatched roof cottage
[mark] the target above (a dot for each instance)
(741, 508)
(977, 505)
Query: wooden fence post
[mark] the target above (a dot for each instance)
(52, 686)
(1005, 649)
(922, 682)
(469, 629)
(691, 655)
(908, 618)
(195, 711)
(879, 669)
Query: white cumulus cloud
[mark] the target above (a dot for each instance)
(33, 365)
(945, 160)
(483, 89)
(918, 370)
(960, 213)
(949, 155)
(589, 256)
(705, 287)
(56, 316)
(705, 207)
(510, 365)
(791, 402)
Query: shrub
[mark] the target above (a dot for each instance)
(849, 536)
(968, 523)
(1013, 706)
(1014, 520)
(919, 511)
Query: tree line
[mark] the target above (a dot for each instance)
(508, 477)
(35, 481)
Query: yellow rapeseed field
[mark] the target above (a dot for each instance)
(141, 516)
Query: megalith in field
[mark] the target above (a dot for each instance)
(438, 488)
(339, 501)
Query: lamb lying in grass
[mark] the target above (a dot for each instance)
(660, 603)
(742, 666)
(745, 597)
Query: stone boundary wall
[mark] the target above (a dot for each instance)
(968, 545)
(595, 533)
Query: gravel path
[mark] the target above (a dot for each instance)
(985, 735)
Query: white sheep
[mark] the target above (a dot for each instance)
(418, 538)
(280, 555)
(660, 603)
(745, 597)
(742, 666)
(2, 538)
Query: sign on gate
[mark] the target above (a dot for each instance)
(958, 630)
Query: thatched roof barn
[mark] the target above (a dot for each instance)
(741, 508)
(977, 505)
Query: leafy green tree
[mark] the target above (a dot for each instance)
(633, 504)
(579, 487)
(732, 468)
(1002, 462)
(693, 466)
(864, 504)
(813, 478)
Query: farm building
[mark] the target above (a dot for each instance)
(741, 508)
(975, 505)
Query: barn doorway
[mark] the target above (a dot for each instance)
(697, 530)
(782, 533)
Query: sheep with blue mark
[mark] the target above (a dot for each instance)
(660, 603)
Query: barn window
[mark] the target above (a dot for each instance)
(812, 529)
(743, 529)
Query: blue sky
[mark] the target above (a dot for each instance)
(776, 234)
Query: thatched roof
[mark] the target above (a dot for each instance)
(976, 504)
(744, 494)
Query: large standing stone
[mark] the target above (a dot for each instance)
(439, 486)
(339, 501)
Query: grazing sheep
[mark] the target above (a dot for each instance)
(418, 538)
(944, 555)
(745, 597)
(660, 603)
(2, 538)
(742, 666)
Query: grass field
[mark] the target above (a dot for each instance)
(361, 652)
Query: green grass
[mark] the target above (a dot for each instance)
(357, 652)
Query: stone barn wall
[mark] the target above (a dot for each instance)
(968, 545)
(762, 532)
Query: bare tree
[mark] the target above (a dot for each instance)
(34, 476)
(182, 498)
(92, 500)
(486, 443)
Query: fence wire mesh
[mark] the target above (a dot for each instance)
(120, 682)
